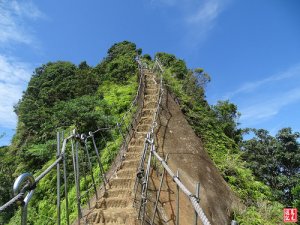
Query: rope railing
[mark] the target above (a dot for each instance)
(80, 146)
(143, 170)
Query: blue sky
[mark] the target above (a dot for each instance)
(251, 49)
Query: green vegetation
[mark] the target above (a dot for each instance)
(276, 162)
(262, 171)
(60, 97)
(218, 128)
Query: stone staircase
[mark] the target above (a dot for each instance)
(116, 206)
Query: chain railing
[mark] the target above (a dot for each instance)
(143, 171)
(78, 147)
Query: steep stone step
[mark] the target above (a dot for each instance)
(117, 193)
(115, 208)
(130, 164)
(143, 128)
(132, 155)
(151, 91)
(135, 149)
(108, 203)
(121, 183)
(151, 85)
(153, 96)
(126, 173)
(115, 216)
(137, 142)
(148, 112)
(145, 121)
(150, 104)
(149, 74)
(141, 134)
(149, 98)
(150, 81)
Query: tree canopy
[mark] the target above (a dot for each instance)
(275, 161)
(62, 96)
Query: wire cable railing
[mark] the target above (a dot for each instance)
(78, 147)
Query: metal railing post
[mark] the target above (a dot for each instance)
(99, 162)
(66, 188)
(177, 201)
(76, 178)
(90, 167)
(27, 179)
(159, 190)
(197, 194)
(58, 179)
(145, 187)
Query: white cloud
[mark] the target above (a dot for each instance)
(200, 20)
(26, 9)
(165, 2)
(205, 14)
(12, 21)
(267, 108)
(252, 86)
(14, 76)
(198, 17)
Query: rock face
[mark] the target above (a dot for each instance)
(187, 155)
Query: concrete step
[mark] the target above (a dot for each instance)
(151, 81)
(121, 183)
(115, 216)
(132, 155)
(148, 112)
(151, 84)
(136, 142)
(143, 128)
(141, 134)
(115, 208)
(135, 149)
(145, 121)
(149, 98)
(108, 203)
(118, 193)
(150, 91)
(149, 74)
(150, 104)
(126, 173)
(131, 163)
